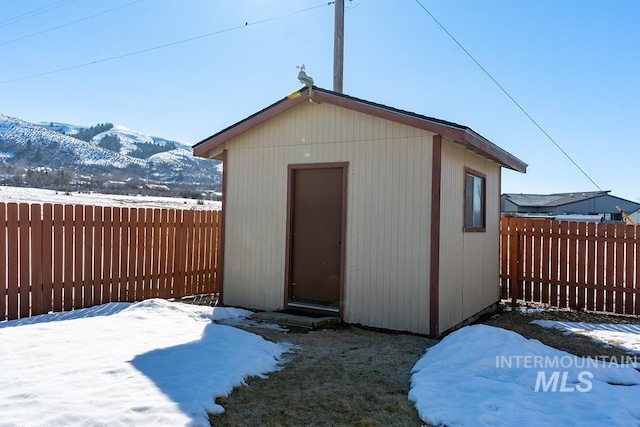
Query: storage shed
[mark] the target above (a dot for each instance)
(339, 205)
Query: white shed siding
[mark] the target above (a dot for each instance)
(388, 211)
(469, 269)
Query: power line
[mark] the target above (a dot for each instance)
(31, 11)
(70, 23)
(510, 97)
(137, 52)
(31, 14)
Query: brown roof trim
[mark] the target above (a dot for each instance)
(448, 130)
(203, 147)
(434, 245)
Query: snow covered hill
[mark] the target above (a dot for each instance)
(124, 155)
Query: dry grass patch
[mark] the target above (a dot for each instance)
(347, 376)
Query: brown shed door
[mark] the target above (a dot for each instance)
(316, 236)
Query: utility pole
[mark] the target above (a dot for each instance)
(338, 47)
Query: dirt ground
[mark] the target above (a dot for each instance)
(359, 377)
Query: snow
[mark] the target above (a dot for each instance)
(506, 306)
(65, 128)
(19, 132)
(621, 335)
(38, 195)
(465, 380)
(149, 363)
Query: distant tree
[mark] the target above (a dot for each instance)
(47, 179)
(37, 155)
(146, 150)
(87, 134)
(111, 142)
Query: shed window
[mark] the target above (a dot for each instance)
(474, 201)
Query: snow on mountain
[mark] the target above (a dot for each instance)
(31, 140)
(65, 128)
(128, 138)
(133, 155)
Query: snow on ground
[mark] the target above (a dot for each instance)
(506, 306)
(38, 195)
(145, 364)
(482, 375)
(620, 335)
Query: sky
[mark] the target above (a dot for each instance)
(571, 65)
(161, 363)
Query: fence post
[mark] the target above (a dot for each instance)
(514, 260)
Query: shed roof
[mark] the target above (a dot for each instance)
(453, 131)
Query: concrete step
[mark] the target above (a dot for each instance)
(287, 319)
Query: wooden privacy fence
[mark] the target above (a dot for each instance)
(588, 266)
(64, 257)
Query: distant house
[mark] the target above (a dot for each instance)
(114, 184)
(160, 187)
(342, 206)
(635, 216)
(600, 205)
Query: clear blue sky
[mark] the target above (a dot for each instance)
(573, 65)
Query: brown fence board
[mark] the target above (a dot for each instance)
(163, 262)
(585, 266)
(609, 268)
(78, 230)
(36, 259)
(581, 254)
(139, 274)
(527, 260)
(563, 263)
(172, 263)
(208, 240)
(154, 274)
(537, 249)
(618, 297)
(25, 285)
(107, 225)
(117, 258)
(58, 257)
(217, 254)
(555, 263)
(179, 276)
(12, 261)
(98, 255)
(132, 250)
(591, 267)
(189, 243)
(47, 258)
(504, 258)
(636, 295)
(3, 265)
(65, 257)
(629, 268)
(601, 272)
(572, 263)
(148, 253)
(87, 250)
(545, 230)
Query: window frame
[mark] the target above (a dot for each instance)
(483, 177)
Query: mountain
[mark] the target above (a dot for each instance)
(99, 155)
